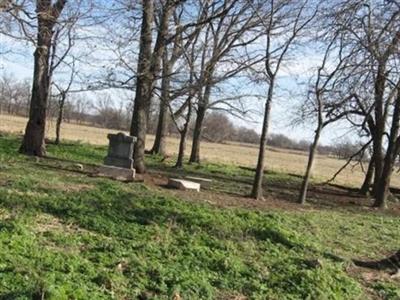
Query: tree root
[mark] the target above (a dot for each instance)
(392, 262)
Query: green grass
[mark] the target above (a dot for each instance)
(64, 235)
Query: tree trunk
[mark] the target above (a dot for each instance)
(311, 155)
(33, 142)
(183, 135)
(364, 190)
(60, 118)
(392, 151)
(159, 146)
(197, 132)
(257, 190)
(378, 133)
(47, 15)
(198, 129)
(143, 88)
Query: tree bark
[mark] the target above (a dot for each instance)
(197, 133)
(198, 129)
(379, 125)
(311, 155)
(364, 190)
(143, 88)
(159, 146)
(60, 117)
(34, 138)
(183, 135)
(392, 151)
(257, 190)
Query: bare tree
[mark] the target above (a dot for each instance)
(181, 41)
(283, 23)
(62, 96)
(14, 95)
(144, 83)
(225, 55)
(47, 16)
(372, 29)
(149, 65)
(325, 99)
(44, 24)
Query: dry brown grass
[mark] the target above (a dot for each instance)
(287, 161)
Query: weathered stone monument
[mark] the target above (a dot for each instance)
(118, 163)
(120, 150)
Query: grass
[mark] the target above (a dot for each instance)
(64, 235)
(277, 160)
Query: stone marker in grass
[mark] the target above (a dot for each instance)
(203, 181)
(182, 184)
(118, 163)
(120, 150)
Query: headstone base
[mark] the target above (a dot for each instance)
(119, 162)
(117, 173)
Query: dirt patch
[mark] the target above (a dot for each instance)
(276, 197)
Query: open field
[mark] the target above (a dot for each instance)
(280, 160)
(67, 235)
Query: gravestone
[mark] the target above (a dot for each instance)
(120, 150)
(203, 181)
(182, 184)
(118, 163)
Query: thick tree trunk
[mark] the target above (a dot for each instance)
(364, 190)
(47, 15)
(392, 151)
(257, 190)
(197, 133)
(378, 133)
(198, 128)
(33, 142)
(311, 155)
(60, 118)
(143, 88)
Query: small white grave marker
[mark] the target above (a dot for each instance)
(182, 184)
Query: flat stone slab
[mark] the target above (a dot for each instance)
(184, 185)
(203, 181)
(117, 173)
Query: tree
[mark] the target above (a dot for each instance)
(283, 21)
(325, 99)
(143, 87)
(47, 25)
(47, 16)
(217, 127)
(372, 29)
(148, 71)
(62, 96)
(181, 42)
(225, 55)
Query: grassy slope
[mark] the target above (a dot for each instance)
(65, 235)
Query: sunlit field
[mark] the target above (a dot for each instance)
(286, 161)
